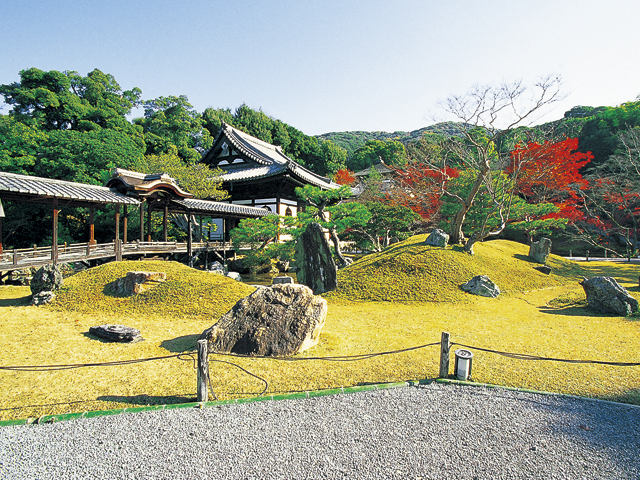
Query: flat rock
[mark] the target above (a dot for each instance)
(481, 285)
(605, 294)
(282, 279)
(543, 269)
(117, 333)
(138, 282)
(280, 320)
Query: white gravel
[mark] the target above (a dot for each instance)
(434, 431)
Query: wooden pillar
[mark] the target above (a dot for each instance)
(117, 223)
(125, 224)
(142, 220)
(445, 347)
(92, 227)
(190, 238)
(0, 235)
(203, 371)
(148, 221)
(54, 246)
(165, 216)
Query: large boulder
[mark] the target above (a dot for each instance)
(47, 278)
(280, 320)
(540, 251)
(137, 282)
(316, 268)
(437, 238)
(481, 285)
(606, 295)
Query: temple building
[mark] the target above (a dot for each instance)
(259, 174)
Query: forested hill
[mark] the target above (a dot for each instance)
(351, 141)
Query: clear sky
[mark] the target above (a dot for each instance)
(331, 65)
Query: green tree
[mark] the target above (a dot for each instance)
(172, 122)
(67, 101)
(391, 152)
(197, 179)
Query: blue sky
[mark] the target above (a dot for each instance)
(332, 65)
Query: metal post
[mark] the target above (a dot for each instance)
(445, 347)
(203, 370)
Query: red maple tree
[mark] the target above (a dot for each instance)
(420, 187)
(344, 177)
(550, 172)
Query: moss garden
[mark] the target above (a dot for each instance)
(402, 297)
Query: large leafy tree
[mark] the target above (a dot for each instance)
(487, 115)
(172, 123)
(56, 100)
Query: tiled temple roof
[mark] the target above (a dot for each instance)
(27, 185)
(272, 159)
(206, 206)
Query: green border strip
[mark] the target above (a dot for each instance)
(238, 401)
(467, 383)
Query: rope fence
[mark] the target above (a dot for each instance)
(201, 360)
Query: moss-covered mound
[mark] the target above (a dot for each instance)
(186, 292)
(411, 271)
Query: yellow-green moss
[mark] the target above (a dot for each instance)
(411, 271)
(186, 292)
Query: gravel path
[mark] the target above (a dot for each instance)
(434, 431)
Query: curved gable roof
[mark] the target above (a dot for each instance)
(271, 159)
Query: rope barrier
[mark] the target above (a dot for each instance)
(524, 356)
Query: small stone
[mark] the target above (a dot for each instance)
(42, 298)
(543, 269)
(437, 238)
(218, 268)
(281, 279)
(117, 333)
(234, 276)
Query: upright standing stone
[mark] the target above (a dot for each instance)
(48, 278)
(540, 251)
(316, 268)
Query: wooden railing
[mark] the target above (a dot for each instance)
(37, 256)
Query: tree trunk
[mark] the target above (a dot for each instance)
(336, 247)
(456, 236)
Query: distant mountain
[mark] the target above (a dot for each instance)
(351, 141)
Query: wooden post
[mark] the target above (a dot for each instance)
(165, 237)
(203, 370)
(92, 228)
(149, 221)
(190, 240)
(142, 220)
(125, 225)
(118, 243)
(0, 236)
(117, 222)
(444, 355)
(54, 246)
